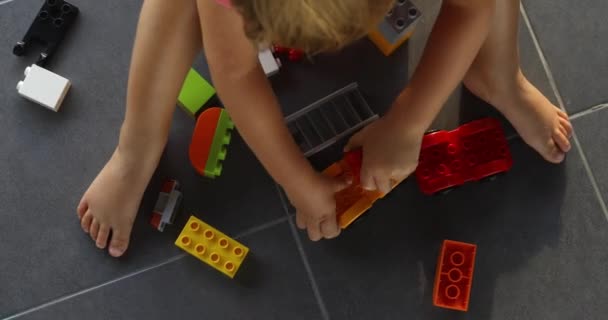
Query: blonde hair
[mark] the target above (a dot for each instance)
(310, 25)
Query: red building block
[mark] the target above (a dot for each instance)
(471, 152)
(454, 275)
(291, 53)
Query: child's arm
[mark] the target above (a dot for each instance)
(391, 146)
(249, 99)
(166, 43)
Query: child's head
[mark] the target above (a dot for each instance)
(310, 25)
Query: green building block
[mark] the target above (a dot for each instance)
(195, 92)
(217, 153)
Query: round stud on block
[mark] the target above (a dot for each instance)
(223, 243)
(400, 23)
(456, 165)
(51, 3)
(218, 169)
(457, 258)
(19, 85)
(426, 173)
(401, 2)
(442, 169)
(222, 154)
(43, 15)
(452, 148)
(19, 48)
(185, 240)
(200, 249)
(215, 258)
(455, 275)
(27, 71)
(238, 251)
(412, 12)
(58, 22)
(227, 138)
(66, 8)
(467, 145)
(209, 234)
(389, 13)
(229, 266)
(194, 226)
(452, 291)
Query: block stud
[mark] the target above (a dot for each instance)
(452, 291)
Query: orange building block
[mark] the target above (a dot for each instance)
(353, 201)
(454, 275)
(202, 138)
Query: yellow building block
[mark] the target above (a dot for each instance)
(212, 246)
(386, 47)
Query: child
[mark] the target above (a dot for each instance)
(474, 41)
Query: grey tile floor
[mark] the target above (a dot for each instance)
(541, 230)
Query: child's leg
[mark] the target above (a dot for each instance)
(168, 38)
(495, 76)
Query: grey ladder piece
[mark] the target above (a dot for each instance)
(330, 119)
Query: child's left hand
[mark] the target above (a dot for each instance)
(390, 153)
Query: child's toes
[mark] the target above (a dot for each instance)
(119, 242)
(566, 125)
(554, 154)
(85, 222)
(82, 208)
(561, 140)
(94, 229)
(102, 236)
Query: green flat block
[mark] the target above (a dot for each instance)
(195, 92)
(221, 138)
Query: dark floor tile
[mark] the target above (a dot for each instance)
(47, 161)
(573, 37)
(593, 136)
(272, 284)
(541, 248)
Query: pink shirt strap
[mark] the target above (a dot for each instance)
(225, 3)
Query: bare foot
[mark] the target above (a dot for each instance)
(110, 204)
(541, 125)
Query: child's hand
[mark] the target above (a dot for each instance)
(390, 153)
(316, 206)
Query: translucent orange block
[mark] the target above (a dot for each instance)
(454, 275)
(353, 201)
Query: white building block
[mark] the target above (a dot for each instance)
(269, 63)
(43, 87)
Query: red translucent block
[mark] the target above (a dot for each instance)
(292, 54)
(471, 152)
(454, 275)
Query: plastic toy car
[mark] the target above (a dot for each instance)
(471, 152)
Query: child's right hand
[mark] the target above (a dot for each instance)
(316, 206)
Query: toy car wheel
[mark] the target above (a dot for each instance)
(492, 177)
(446, 191)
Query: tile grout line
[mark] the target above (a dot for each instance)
(587, 111)
(560, 101)
(101, 285)
(245, 233)
(261, 227)
(542, 58)
(311, 277)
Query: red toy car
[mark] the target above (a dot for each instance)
(471, 152)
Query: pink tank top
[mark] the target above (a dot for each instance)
(225, 3)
